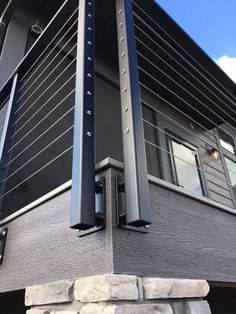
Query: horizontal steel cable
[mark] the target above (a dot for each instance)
(192, 107)
(50, 43)
(176, 61)
(183, 77)
(36, 155)
(29, 177)
(40, 136)
(35, 126)
(68, 53)
(148, 16)
(169, 153)
(22, 115)
(166, 151)
(177, 139)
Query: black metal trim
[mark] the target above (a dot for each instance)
(3, 238)
(135, 166)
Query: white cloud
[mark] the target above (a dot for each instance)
(228, 65)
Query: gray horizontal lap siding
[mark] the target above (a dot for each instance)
(187, 239)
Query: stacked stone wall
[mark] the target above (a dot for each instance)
(119, 294)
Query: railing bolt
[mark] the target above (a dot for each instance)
(120, 11)
(89, 93)
(147, 226)
(89, 134)
(89, 113)
(123, 71)
(123, 54)
(126, 131)
(89, 59)
(89, 75)
(121, 24)
(90, 15)
(122, 39)
(125, 89)
(89, 43)
(126, 109)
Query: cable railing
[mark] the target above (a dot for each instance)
(187, 101)
(37, 151)
(185, 54)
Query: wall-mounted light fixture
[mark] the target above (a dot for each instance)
(213, 152)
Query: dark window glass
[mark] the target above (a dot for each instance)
(151, 142)
(226, 142)
(185, 167)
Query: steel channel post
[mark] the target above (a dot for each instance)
(83, 173)
(135, 166)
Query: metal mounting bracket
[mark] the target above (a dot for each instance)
(3, 237)
(100, 208)
(121, 208)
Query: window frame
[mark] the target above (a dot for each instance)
(169, 131)
(226, 153)
(173, 137)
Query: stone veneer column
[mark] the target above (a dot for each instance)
(119, 294)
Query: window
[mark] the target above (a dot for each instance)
(172, 154)
(228, 150)
(226, 142)
(231, 166)
(185, 166)
(151, 142)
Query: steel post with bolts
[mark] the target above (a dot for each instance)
(83, 173)
(137, 201)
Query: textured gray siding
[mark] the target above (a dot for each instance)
(187, 239)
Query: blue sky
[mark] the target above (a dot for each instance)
(212, 24)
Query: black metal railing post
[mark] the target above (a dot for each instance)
(83, 174)
(136, 181)
(10, 118)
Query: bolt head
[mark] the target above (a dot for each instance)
(123, 71)
(147, 226)
(89, 75)
(89, 43)
(125, 89)
(90, 3)
(90, 16)
(121, 24)
(89, 93)
(126, 109)
(89, 112)
(89, 134)
(90, 29)
(119, 11)
(122, 39)
(123, 54)
(89, 59)
(126, 131)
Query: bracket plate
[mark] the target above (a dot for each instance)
(121, 209)
(100, 208)
(3, 237)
